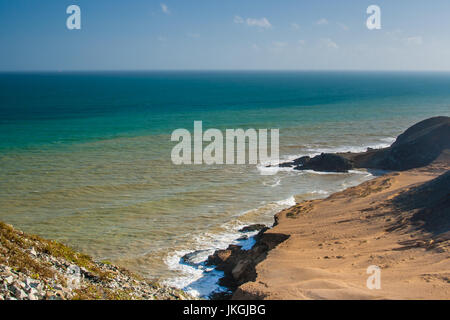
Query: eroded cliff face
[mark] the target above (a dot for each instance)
(239, 265)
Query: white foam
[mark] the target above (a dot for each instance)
(275, 184)
(312, 151)
(389, 140)
(320, 192)
(287, 202)
(200, 280)
(325, 172)
(270, 171)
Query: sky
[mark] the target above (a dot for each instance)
(224, 35)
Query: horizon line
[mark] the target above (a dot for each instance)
(221, 70)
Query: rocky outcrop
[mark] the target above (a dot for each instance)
(32, 268)
(253, 227)
(193, 258)
(327, 162)
(295, 163)
(239, 265)
(418, 146)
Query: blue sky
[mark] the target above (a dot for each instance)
(224, 34)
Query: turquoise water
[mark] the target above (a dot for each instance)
(85, 157)
(53, 109)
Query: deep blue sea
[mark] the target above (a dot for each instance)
(85, 157)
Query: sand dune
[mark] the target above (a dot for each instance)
(398, 222)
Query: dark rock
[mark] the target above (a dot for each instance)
(261, 233)
(242, 267)
(191, 258)
(239, 265)
(418, 146)
(220, 257)
(253, 227)
(297, 162)
(327, 162)
(424, 128)
(301, 161)
(289, 164)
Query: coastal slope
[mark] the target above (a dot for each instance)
(398, 222)
(33, 268)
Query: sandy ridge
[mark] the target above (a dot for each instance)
(331, 242)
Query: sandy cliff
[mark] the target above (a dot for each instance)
(399, 222)
(332, 242)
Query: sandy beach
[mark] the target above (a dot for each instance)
(329, 248)
(332, 242)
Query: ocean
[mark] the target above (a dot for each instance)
(85, 157)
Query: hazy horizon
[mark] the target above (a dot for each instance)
(218, 70)
(174, 35)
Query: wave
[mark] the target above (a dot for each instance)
(197, 278)
(271, 171)
(272, 185)
(321, 192)
(201, 280)
(312, 151)
(287, 202)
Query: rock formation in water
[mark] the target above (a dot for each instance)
(418, 146)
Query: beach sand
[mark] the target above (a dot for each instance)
(386, 222)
